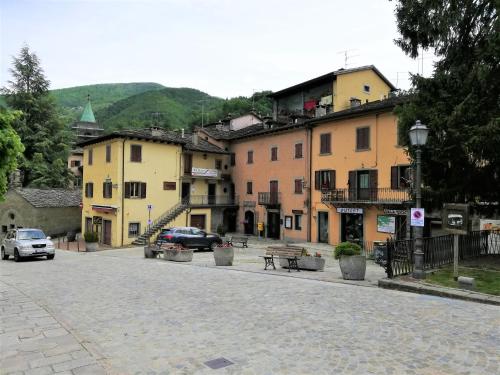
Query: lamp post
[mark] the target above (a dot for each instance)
(418, 138)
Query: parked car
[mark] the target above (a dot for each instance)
(27, 242)
(189, 237)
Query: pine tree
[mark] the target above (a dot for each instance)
(460, 102)
(11, 148)
(40, 128)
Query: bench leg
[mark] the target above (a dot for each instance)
(269, 262)
(292, 263)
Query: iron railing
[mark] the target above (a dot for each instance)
(365, 195)
(211, 200)
(269, 198)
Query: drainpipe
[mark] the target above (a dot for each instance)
(123, 187)
(309, 173)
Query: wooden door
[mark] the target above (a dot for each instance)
(198, 221)
(273, 192)
(106, 232)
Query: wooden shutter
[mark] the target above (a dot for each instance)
(143, 190)
(91, 190)
(373, 184)
(233, 159)
(298, 150)
(332, 179)
(394, 178)
(352, 182)
(104, 190)
(127, 189)
(86, 190)
(317, 185)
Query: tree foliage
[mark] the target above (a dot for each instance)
(40, 128)
(460, 102)
(11, 148)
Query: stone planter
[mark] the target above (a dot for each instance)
(148, 252)
(176, 255)
(91, 246)
(224, 256)
(353, 267)
(306, 263)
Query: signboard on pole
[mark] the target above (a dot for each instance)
(417, 217)
(150, 207)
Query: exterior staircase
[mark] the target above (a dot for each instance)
(160, 223)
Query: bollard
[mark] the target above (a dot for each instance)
(466, 283)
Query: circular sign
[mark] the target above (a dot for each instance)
(417, 214)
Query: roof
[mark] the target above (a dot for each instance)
(159, 135)
(88, 114)
(51, 197)
(250, 131)
(330, 77)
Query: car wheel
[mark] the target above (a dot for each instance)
(4, 256)
(50, 256)
(213, 245)
(17, 257)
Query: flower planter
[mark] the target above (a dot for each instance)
(353, 267)
(91, 246)
(224, 256)
(148, 252)
(306, 263)
(177, 255)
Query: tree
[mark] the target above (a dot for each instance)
(39, 127)
(10, 148)
(460, 102)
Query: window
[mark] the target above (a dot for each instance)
(91, 156)
(250, 157)
(108, 153)
(274, 153)
(298, 186)
(136, 153)
(400, 176)
(89, 189)
(218, 164)
(188, 163)
(325, 143)
(233, 159)
(249, 187)
(366, 88)
(363, 138)
(107, 190)
(288, 222)
(298, 151)
(324, 180)
(298, 222)
(4, 228)
(75, 163)
(134, 229)
(135, 190)
(88, 224)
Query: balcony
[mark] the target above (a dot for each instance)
(269, 199)
(366, 196)
(211, 201)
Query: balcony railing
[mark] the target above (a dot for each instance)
(269, 199)
(365, 195)
(211, 200)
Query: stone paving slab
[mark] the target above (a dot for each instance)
(148, 316)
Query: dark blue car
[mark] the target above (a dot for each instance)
(189, 237)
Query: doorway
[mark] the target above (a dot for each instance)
(352, 228)
(323, 227)
(273, 225)
(211, 193)
(198, 221)
(249, 222)
(273, 193)
(185, 192)
(229, 219)
(106, 233)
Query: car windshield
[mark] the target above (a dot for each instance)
(30, 235)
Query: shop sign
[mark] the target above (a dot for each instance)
(386, 224)
(395, 212)
(204, 172)
(489, 224)
(417, 217)
(349, 210)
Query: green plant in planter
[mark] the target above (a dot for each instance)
(346, 248)
(91, 237)
(221, 231)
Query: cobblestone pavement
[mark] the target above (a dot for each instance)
(132, 315)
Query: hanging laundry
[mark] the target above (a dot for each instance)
(310, 104)
(326, 100)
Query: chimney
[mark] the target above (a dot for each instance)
(195, 138)
(182, 133)
(355, 102)
(156, 132)
(15, 181)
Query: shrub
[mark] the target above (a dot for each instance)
(91, 237)
(221, 231)
(346, 248)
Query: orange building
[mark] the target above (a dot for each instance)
(360, 174)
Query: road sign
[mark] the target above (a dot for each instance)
(417, 217)
(150, 222)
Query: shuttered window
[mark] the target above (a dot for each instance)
(250, 157)
(249, 187)
(91, 156)
(107, 190)
(400, 176)
(363, 138)
(89, 190)
(324, 180)
(135, 190)
(136, 153)
(325, 143)
(233, 159)
(108, 153)
(274, 153)
(298, 151)
(298, 186)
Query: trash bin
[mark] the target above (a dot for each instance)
(380, 252)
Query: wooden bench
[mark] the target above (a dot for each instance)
(290, 253)
(238, 239)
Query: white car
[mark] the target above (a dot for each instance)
(27, 242)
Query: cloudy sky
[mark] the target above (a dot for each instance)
(225, 48)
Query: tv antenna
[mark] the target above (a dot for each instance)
(347, 55)
(203, 111)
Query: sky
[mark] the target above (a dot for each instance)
(222, 47)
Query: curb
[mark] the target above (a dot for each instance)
(459, 294)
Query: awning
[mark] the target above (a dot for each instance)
(104, 209)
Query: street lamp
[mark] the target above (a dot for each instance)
(418, 138)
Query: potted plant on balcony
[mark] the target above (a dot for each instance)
(91, 241)
(352, 263)
(224, 254)
(176, 252)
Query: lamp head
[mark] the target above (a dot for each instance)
(418, 134)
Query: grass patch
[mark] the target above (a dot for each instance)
(487, 281)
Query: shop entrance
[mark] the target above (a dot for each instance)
(352, 228)
(273, 225)
(323, 227)
(106, 233)
(249, 222)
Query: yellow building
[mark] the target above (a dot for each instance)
(360, 174)
(137, 181)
